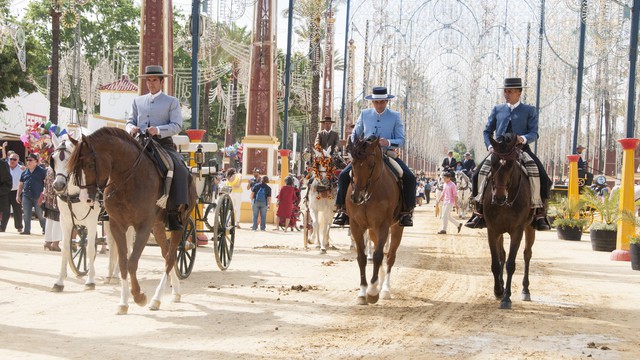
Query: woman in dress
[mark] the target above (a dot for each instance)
(286, 199)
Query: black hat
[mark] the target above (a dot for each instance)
(379, 93)
(154, 70)
(33, 156)
(447, 174)
(327, 119)
(580, 147)
(512, 83)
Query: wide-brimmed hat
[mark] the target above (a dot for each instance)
(327, 119)
(467, 154)
(379, 93)
(512, 83)
(580, 147)
(154, 70)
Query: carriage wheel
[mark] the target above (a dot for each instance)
(78, 252)
(581, 182)
(224, 231)
(186, 251)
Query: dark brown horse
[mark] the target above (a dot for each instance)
(507, 209)
(373, 205)
(110, 160)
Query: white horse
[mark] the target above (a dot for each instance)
(464, 194)
(320, 203)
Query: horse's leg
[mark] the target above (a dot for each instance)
(66, 226)
(169, 255)
(92, 231)
(379, 237)
(393, 244)
(142, 236)
(325, 224)
(529, 239)
(495, 247)
(516, 238)
(357, 234)
(315, 219)
(118, 233)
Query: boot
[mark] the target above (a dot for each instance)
(341, 218)
(406, 218)
(540, 221)
(173, 221)
(477, 219)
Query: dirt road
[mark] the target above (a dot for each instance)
(279, 301)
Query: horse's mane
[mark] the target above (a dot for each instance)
(359, 147)
(506, 148)
(74, 166)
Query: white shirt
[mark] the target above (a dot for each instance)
(15, 174)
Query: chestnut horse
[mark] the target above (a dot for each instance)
(507, 209)
(373, 205)
(113, 162)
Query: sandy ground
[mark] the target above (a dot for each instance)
(280, 301)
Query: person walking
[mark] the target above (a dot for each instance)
(6, 183)
(15, 170)
(387, 125)
(160, 116)
(29, 190)
(427, 190)
(522, 120)
(234, 180)
(53, 230)
(261, 196)
(449, 198)
(286, 198)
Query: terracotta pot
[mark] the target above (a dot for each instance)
(634, 252)
(603, 240)
(573, 233)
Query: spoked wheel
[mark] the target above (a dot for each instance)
(224, 231)
(186, 251)
(78, 252)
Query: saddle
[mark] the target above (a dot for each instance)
(164, 163)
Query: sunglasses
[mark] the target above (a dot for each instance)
(30, 160)
(13, 159)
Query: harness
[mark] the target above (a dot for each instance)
(512, 155)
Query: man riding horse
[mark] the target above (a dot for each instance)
(159, 115)
(522, 120)
(387, 125)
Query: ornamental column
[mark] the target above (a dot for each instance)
(626, 228)
(156, 40)
(573, 192)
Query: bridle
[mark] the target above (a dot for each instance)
(370, 181)
(512, 154)
(63, 194)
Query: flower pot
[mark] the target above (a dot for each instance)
(634, 252)
(603, 240)
(573, 233)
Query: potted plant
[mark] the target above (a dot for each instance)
(568, 222)
(604, 229)
(634, 240)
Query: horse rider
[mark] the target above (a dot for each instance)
(387, 125)
(522, 120)
(160, 116)
(582, 167)
(326, 137)
(449, 163)
(468, 165)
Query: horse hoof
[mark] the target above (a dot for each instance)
(526, 297)
(505, 305)
(385, 295)
(123, 309)
(177, 298)
(141, 299)
(362, 300)
(57, 288)
(323, 251)
(373, 299)
(91, 286)
(155, 305)
(107, 280)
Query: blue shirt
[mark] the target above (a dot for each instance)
(162, 111)
(387, 125)
(523, 120)
(33, 182)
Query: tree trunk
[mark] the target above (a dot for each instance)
(55, 64)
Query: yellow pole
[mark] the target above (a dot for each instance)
(573, 180)
(625, 228)
(284, 165)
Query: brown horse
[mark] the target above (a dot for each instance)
(507, 209)
(374, 204)
(111, 161)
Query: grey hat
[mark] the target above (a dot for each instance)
(512, 83)
(379, 93)
(154, 70)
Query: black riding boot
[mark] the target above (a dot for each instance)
(477, 219)
(540, 221)
(173, 220)
(341, 218)
(406, 218)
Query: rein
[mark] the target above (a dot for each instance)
(369, 181)
(512, 155)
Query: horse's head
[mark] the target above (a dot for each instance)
(504, 164)
(58, 162)
(84, 167)
(365, 167)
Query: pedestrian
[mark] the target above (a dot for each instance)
(53, 230)
(449, 198)
(387, 125)
(14, 205)
(419, 193)
(257, 179)
(6, 183)
(286, 199)
(160, 116)
(522, 120)
(427, 190)
(29, 192)
(234, 180)
(261, 196)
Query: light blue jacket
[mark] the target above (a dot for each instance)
(524, 122)
(162, 112)
(387, 125)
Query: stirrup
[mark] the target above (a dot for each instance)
(406, 219)
(476, 221)
(341, 218)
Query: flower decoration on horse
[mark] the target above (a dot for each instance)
(38, 139)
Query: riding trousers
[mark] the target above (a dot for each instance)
(179, 193)
(408, 186)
